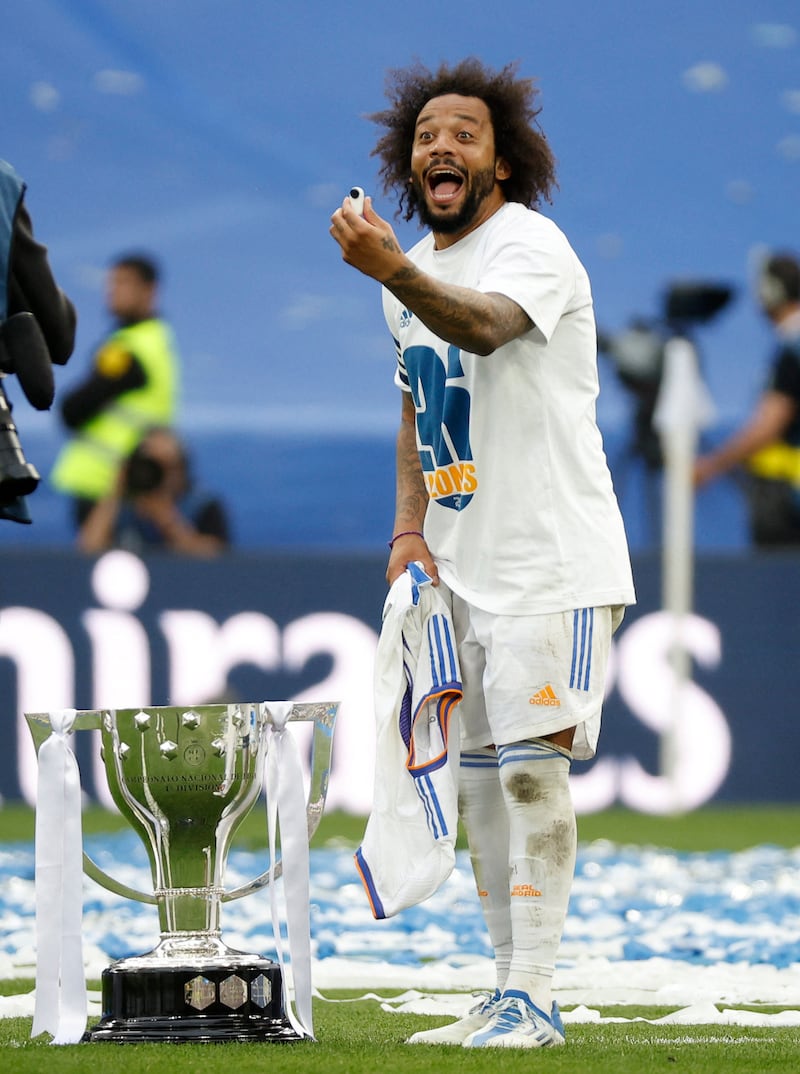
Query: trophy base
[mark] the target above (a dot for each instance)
(202, 1002)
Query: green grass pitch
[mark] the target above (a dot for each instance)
(360, 1038)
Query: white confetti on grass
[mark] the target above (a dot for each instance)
(646, 926)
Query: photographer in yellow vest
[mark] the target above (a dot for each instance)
(133, 384)
(767, 445)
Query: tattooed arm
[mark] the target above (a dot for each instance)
(469, 319)
(412, 502)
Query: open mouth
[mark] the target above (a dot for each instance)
(444, 184)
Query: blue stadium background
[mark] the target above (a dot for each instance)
(222, 135)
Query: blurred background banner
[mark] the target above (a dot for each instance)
(221, 136)
(121, 632)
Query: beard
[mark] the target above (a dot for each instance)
(480, 187)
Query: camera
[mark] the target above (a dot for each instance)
(23, 351)
(17, 476)
(637, 353)
(357, 200)
(692, 302)
(142, 473)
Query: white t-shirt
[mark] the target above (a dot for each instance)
(522, 518)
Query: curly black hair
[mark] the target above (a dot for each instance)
(511, 102)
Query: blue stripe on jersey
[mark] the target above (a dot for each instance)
(369, 884)
(442, 652)
(433, 808)
(435, 651)
(430, 820)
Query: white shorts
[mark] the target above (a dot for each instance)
(527, 676)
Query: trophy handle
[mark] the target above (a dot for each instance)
(100, 876)
(324, 717)
(85, 720)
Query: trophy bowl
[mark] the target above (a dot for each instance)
(184, 778)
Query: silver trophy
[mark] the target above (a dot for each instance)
(184, 779)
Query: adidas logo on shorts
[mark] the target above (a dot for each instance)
(545, 696)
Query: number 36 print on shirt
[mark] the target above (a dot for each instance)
(443, 410)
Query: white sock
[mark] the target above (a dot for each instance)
(482, 809)
(534, 776)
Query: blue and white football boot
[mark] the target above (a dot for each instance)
(455, 1033)
(518, 1023)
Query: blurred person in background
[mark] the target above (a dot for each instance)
(154, 505)
(767, 445)
(133, 384)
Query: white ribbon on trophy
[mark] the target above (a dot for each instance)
(286, 809)
(61, 1000)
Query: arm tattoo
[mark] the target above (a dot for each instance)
(390, 245)
(469, 319)
(412, 493)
